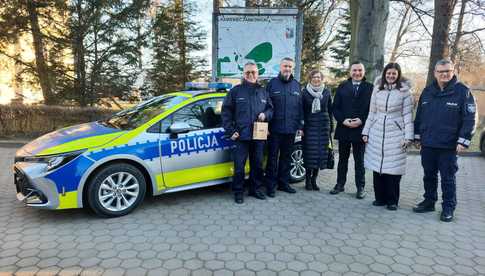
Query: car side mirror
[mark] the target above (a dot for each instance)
(179, 127)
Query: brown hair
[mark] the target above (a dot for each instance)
(314, 72)
(391, 65)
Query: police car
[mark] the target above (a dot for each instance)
(169, 143)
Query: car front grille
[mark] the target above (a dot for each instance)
(23, 186)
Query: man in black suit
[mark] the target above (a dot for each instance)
(350, 109)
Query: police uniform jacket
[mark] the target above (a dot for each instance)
(349, 105)
(287, 105)
(241, 108)
(445, 118)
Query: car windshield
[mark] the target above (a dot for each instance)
(138, 115)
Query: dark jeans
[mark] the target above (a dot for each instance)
(445, 162)
(358, 149)
(386, 188)
(278, 167)
(253, 149)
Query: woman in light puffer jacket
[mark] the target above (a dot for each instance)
(387, 132)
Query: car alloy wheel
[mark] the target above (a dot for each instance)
(297, 169)
(118, 191)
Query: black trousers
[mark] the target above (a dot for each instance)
(253, 149)
(279, 160)
(445, 162)
(358, 149)
(386, 188)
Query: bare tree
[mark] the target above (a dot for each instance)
(403, 29)
(466, 38)
(459, 31)
(406, 35)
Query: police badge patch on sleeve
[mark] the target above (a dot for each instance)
(471, 108)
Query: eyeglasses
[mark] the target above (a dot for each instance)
(444, 71)
(247, 73)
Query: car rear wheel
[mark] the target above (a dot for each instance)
(297, 170)
(116, 190)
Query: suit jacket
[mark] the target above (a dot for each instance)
(347, 105)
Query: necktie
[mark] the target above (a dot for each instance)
(355, 90)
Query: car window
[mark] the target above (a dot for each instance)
(143, 112)
(202, 114)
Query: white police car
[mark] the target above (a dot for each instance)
(167, 144)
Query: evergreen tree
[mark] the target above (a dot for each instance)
(313, 49)
(106, 41)
(84, 49)
(40, 22)
(341, 52)
(176, 39)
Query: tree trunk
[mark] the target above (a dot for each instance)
(92, 97)
(371, 33)
(441, 30)
(181, 41)
(79, 52)
(216, 4)
(40, 60)
(16, 83)
(354, 20)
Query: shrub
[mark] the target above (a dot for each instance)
(33, 121)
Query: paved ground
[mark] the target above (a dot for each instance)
(203, 233)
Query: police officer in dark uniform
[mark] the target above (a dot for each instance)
(444, 125)
(245, 104)
(287, 121)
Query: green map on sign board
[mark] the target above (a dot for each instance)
(260, 54)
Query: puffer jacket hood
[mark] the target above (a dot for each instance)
(405, 85)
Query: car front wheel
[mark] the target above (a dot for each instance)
(297, 170)
(116, 190)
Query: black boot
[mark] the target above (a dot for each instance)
(361, 193)
(424, 207)
(337, 189)
(287, 189)
(446, 215)
(314, 180)
(308, 180)
(239, 198)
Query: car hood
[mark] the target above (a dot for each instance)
(72, 138)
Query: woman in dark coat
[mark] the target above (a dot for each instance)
(317, 109)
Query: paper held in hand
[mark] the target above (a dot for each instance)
(260, 131)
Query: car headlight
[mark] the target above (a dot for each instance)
(52, 161)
